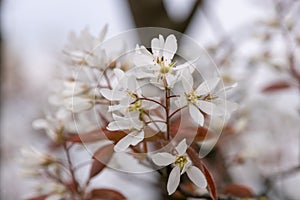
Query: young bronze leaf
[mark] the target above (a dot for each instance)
(237, 190)
(100, 158)
(198, 163)
(41, 197)
(277, 86)
(106, 194)
(97, 135)
(211, 183)
(87, 137)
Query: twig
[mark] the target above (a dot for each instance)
(154, 101)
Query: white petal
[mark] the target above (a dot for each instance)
(116, 108)
(119, 73)
(78, 104)
(163, 159)
(182, 66)
(207, 107)
(112, 95)
(182, 147)
(170, 47)
(40, 124)
(142, 50)
(174, 179)
(190, 65)
(103, 33)
(155, 46)
(186, 166)
(207, 86)
(141, 60)
(132, 138)
(131, 83)
(187, 81)
(54, 197)
(182, 101)
(196, 115)
(119, 125)
(119, 118)
(196, 176)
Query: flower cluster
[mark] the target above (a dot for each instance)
(138, 99)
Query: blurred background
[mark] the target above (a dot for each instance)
(244, 38)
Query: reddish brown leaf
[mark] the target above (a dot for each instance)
(40, 197)
(211, 183)
(106, 194)
(279, 85)
(97, 135)
(198, 163)
(237, 190)
(186, 130)
(101, 157)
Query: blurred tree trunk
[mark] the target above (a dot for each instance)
(152, 13)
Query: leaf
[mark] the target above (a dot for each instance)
(276, 86)
(211, 183)
(40, 197)
(97, 135)
(198, 163)
(106, 194)
(237, 190)
(101, 157)
(187, 130)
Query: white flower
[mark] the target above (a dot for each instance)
(82, 49)
(34, 158)
(181, 165)
(78, 104)
(53, 125)
(128, 94)
(76, 95)
(131, 123)
(57, 190)
(203, 98)
(158, 66)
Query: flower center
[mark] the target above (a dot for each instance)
(136, 106)
(165, 69)
(181, 161)
(209, 97)
(192, 97)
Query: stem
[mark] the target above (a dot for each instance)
(154, 101)
(167, 103)
(155, 121)
(70, 167)
(177, 111)
(107, 80)
(172, 96)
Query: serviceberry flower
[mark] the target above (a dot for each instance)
(204, 98)
(132, 123)
(158, 65)
(181, 164)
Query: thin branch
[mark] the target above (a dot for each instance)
(154, 101)
(179, 109)
(70, 166)
(155, 121)
(167, 104)
(107, 79)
